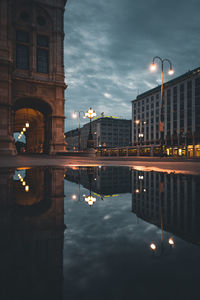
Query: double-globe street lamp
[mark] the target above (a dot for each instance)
(153, 67)
(90, 114)
(141, 134)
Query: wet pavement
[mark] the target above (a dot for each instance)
(170, 165)
(103, 232)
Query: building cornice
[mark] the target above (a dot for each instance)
(176, 80)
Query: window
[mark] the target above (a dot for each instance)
(42, 54)
(22, 50)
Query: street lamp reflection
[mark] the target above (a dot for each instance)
(171, 242)
(90, 200)
(153, 246)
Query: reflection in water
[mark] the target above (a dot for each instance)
(102, 180)
(170, 201)
(32, 231)
(104, 242)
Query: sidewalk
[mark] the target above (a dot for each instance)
(174, 165)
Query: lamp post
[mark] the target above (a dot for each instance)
(79, 126)
(90, 114)
(140, 135)
(153, 67)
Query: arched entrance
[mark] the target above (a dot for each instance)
(32, 121)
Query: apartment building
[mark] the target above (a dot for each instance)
(181, 102)
(107, 131)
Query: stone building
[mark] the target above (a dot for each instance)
(32, 233)
(32, 74)
(181, 100)
(106, 131)
(72, 139)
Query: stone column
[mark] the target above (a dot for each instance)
(6, 140)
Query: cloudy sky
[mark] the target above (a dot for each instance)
(109, 45)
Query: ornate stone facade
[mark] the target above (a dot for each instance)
(32, 74)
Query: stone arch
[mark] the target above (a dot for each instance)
(33, 10)
(32, 68)
(38, 114)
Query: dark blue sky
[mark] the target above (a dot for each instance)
(109, 45)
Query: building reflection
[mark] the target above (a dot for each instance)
(101, 180)
(32, 233)
(170, 201)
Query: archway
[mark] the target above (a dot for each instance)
(32, 123)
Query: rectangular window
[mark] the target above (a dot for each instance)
(43, 41)
(22, 36)
(22, 57)
(22, 50)
(42, 54)
(42, 61)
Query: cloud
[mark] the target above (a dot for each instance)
(106, 95)
(110, 44)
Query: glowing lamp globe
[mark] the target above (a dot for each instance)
(153, 67)
(171, 72)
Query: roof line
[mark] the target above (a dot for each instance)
(177, 79)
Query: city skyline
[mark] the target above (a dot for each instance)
(110, 45)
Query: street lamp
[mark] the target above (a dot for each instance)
(90, 114)
(79, 126)
(90, 200)
(153, 67)
(140, 135)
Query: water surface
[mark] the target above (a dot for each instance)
(55, 245)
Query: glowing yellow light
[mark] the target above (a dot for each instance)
(22, 132)
(27, 188)
(153, 246)
(24, 183)
(90, 113)
(141, 177)
(171, 241)
(137, 191)
(27, 124)
(137, 122)
(21, 179)
(153, 67)
(74, 197)
(90, 200)
(24, 129)
(171, 72)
